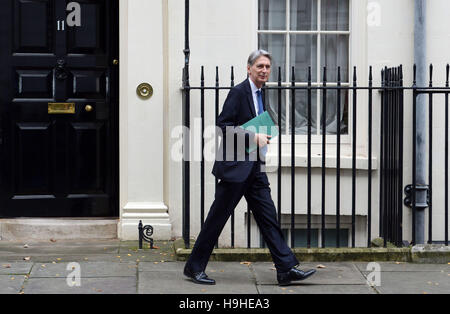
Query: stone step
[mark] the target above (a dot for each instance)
(32, 229)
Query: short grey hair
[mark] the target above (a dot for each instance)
(256, 54)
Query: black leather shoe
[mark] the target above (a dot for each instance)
(295, 274)
(200, 277)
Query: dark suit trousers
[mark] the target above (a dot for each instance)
(228, 194)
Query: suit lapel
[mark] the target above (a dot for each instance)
(250, 98)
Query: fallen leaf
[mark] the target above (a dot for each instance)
(58, 259)
(273, 268)
(52, 240)
(321, 266)
(12, 278)
(25, 246)
(283, 288)
(246, 263)
(27, 258)
(43, 266)
(9, 266)
(203, 290)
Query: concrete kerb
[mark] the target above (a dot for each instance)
(430, 253)
(417, 254)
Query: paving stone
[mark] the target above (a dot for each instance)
(87, 269)
(231, 278)
(332, 274)
(306, 288)
(56, 248)
(394, 266)
(107, 285)
(8, 268)
(161, 267)
(11, 284)
(413, 282)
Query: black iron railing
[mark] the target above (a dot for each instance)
(390, 155)
(391, 152)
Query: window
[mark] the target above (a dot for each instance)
(302, 34)
(301, 236)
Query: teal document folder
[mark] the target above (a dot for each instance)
(261, 124)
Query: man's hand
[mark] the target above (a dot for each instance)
(262, 139)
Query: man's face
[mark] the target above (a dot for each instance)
(259, 72)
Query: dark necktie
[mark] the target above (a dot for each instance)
(260, 102)
(261, 111)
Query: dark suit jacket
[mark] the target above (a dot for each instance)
(233, 163)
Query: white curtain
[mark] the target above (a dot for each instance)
(304, 52)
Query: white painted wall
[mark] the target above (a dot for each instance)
(223, 33)
(142, 121)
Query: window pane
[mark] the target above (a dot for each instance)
(272, 15)
(301, 237)
(303, 53)
(276, 45)
(303, 15)
(301, 112)
(331, 235)
(332, 115)
(335, 15)
(334, 53)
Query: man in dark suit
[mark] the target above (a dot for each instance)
(240, 175)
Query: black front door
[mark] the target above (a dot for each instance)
(58, 108)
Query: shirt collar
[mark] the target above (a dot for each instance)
(253, 86)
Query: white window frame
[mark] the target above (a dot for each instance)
(354, 13)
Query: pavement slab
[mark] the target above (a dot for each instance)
(307, 288)
(231, 278)
(120, 267)
(331, 274)
(413, 282)
(399, 266)
(11, 284)
(105, 285)
(87, 269)
(15, 268)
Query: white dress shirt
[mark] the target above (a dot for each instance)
(255, 96)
